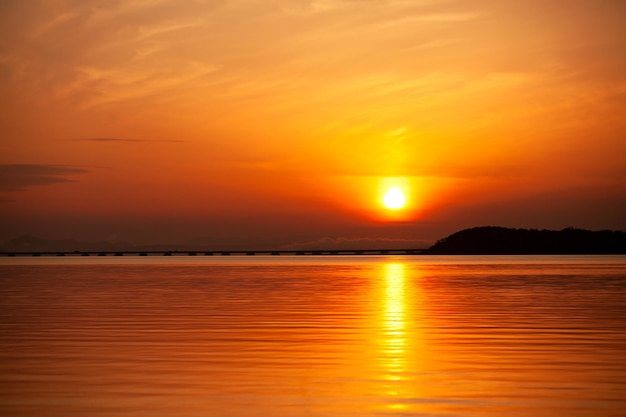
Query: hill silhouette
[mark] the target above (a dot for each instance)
(493, 240)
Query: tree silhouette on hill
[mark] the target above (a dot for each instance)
(493, 240)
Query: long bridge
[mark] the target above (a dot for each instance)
(217, 253)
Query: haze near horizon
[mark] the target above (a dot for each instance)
(284, 124)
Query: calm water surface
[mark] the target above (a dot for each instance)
(313, 336)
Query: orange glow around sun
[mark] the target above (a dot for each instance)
(395, 198)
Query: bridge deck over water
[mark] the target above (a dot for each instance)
(219, 253)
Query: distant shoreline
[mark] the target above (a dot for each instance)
(484, 240)
(333, 252)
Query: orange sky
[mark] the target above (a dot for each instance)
(278, 123)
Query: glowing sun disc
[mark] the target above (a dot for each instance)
(394, 198)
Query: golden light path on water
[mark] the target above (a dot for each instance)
(395, 319)
(395, 341)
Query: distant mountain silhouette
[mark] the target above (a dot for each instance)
(27, 244)
(36, 244)
(492, 240)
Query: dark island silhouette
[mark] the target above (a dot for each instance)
(494, 240)
(486, 240)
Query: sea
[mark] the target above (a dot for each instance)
(295, 336)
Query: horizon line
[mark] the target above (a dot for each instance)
(299, 252)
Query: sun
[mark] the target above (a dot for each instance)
(394, 198)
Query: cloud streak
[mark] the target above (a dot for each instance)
(17, 177)
(108, 140)
(122, 140)
(356, 243)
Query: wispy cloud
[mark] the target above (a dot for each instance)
(108, 140)
(357, 243)
(105, 139)
(16, 177)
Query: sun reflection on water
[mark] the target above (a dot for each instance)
(394, 324)
(394, 343)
